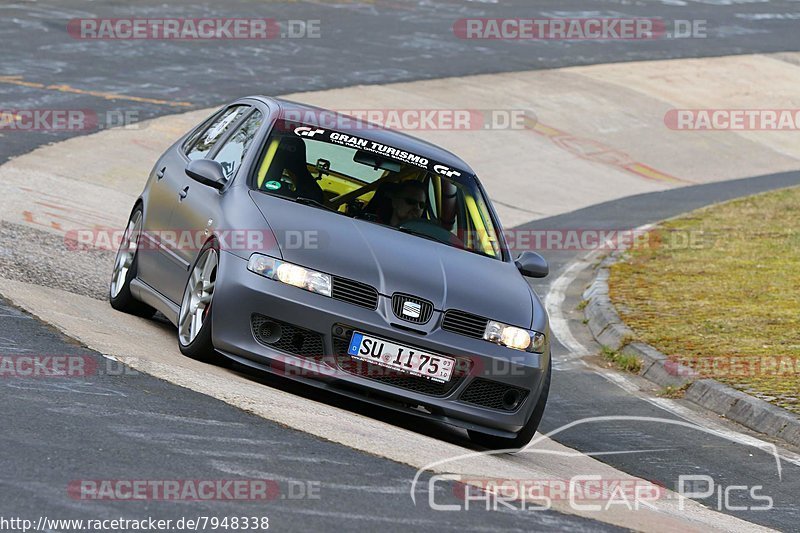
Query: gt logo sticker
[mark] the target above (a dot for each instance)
(446, 172)
(304, 131)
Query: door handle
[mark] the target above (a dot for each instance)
(184, 193)
(160, 173)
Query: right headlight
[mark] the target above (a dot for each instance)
(291, 274)
(514, 337)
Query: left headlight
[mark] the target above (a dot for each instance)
(514, 337)
(290, 274)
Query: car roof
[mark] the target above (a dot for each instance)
(373, 132)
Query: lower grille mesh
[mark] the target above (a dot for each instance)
(494, 395)
(287, 338)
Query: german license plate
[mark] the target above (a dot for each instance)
(401, 358)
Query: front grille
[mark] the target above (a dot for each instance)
(396, 379)
(287, 337)
(494, 395)
(464, 323)
(420, 307)
(354, 293)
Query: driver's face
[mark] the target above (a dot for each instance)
(408, 204)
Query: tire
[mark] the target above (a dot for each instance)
(125, 270)
(528, 430)
(195, 316)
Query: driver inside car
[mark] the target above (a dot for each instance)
(408, 202)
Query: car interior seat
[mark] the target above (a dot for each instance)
(291, 157)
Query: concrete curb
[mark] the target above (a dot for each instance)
(610, 331)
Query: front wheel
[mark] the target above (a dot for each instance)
(528, 430)
(125, 266)
(194, 319)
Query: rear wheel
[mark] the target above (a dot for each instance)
(125, 267)
(526, 433)
(194, 319)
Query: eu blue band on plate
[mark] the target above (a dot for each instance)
(355, 343)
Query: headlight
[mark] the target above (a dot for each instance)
(290, 274)
(514, 337)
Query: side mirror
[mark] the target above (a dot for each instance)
(207, 172)
(532, 265)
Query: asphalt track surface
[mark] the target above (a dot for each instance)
(118, 424)
(661, 452)
(367, 42)
(113, 425)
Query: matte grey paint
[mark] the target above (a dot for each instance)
(532, 264)
(207, 172)
(387, 259)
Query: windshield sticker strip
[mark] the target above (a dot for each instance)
(359, 143)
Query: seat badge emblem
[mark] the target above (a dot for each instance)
(412, 309)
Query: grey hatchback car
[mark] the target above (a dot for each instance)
(309, 244)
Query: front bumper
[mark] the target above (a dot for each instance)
(242, 297)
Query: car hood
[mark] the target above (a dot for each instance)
(392, 261)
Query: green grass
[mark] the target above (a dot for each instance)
(723, 283)
(628, 363)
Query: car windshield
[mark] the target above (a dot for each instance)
(363, 179)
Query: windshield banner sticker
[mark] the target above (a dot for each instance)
(360, 143)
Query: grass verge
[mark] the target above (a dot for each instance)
(628, 363)
(719, 289)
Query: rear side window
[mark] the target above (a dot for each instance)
(205, 143)
(232, 153)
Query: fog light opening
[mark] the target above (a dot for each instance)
(511, 399)
(270, 332)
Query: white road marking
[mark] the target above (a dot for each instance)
(559, 324)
